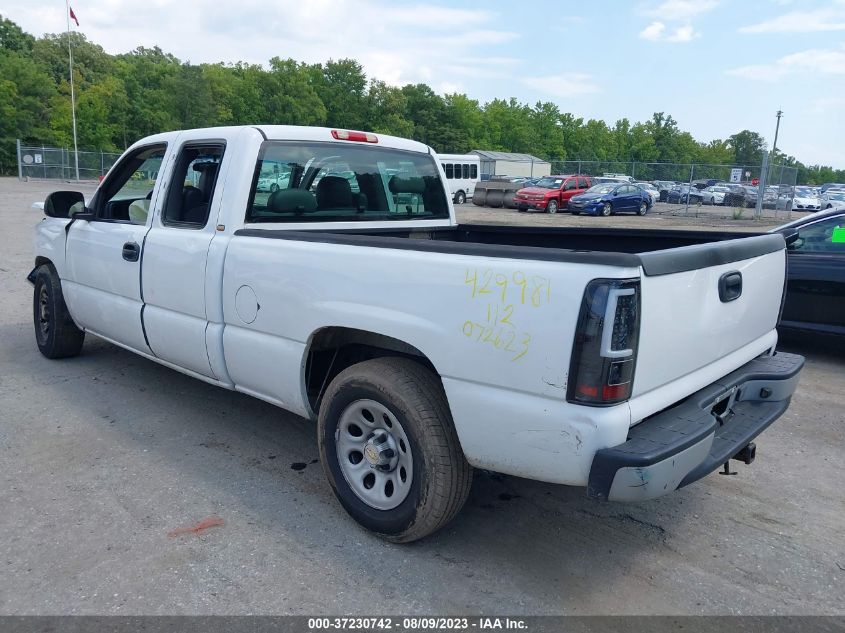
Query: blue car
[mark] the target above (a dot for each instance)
(609, 198)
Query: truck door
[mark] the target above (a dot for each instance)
(174, 269)
(103, 253)
(815, 290)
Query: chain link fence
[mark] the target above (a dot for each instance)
(42, 162)
(689, 179)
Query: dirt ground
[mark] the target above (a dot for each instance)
(104, 455)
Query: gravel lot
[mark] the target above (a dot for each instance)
(101, 456)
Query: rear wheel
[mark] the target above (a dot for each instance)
(643, 208)
(552, 206)
(55, 332)
(390, 451)
(607, 209)
(460, 197)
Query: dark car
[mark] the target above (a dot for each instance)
(685, 194)
(608, 198)
(815, 282)
(664, 187)
(741, 196)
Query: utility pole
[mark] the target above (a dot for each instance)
(777, 128)
(72, 96)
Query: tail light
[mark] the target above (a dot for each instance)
(362, 137)
(604, 354)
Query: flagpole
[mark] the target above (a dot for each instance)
(72, 96)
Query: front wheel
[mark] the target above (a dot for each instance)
(552, 206)
(390, 451)
(460, 197)
(643, 208)
(607, 209)
(55, 332)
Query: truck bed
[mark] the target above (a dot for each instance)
(657, 251)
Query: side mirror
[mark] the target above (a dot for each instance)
(60, 204)
(790, 236)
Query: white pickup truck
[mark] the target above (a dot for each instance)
(630, 362)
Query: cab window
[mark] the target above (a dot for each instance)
(192, 186)
(334, 182)
(127, 193)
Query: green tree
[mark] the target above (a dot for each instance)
(13, 38)
(747, 147)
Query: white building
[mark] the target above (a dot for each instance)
(511, 164)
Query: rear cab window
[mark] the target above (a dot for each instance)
(331, 182)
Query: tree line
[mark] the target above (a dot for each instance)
(120, 98)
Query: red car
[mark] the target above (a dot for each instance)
(551, 193)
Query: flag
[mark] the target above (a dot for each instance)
(73, 15)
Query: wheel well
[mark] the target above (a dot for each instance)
(42, 261)
(333, 349)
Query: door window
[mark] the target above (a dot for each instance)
(583, 184)
(473, 172)
(826, 236)
(192, 186)
(128, 191)
(465, 170)
(570, 185)
(449, 170)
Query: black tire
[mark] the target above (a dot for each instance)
(552, 206)
(607, 209)
(460, 197)
(441, 475)
(643, 209)
(495, 198)
(55, 332)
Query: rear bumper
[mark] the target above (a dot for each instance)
(683, 444)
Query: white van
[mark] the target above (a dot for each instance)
(462, 172)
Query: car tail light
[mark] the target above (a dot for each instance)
(362, 137)
(604, 353)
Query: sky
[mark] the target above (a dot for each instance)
(717, 66)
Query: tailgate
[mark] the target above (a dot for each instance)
(687, 322)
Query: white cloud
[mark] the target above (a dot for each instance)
(682, 10)
(815, 61)
(398, 44)
(653, 32)
(563, 86)
(820, 20)
(656, 32)
(682, 34)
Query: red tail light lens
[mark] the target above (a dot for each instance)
(604, 353)
(361, 137)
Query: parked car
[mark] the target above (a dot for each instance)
(815, 288)
(806, 199)
(664, 187)
(685, 194)
(831, 185)
(607, 199)
(714, 194)
(272, 182)
(551, 193)
(740, 196)
(832, 198)
(770, 197)
(650, 189)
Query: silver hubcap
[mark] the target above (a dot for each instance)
(43, 312)
(374, 454)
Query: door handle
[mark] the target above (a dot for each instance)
(730, 286)
(131, 251)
